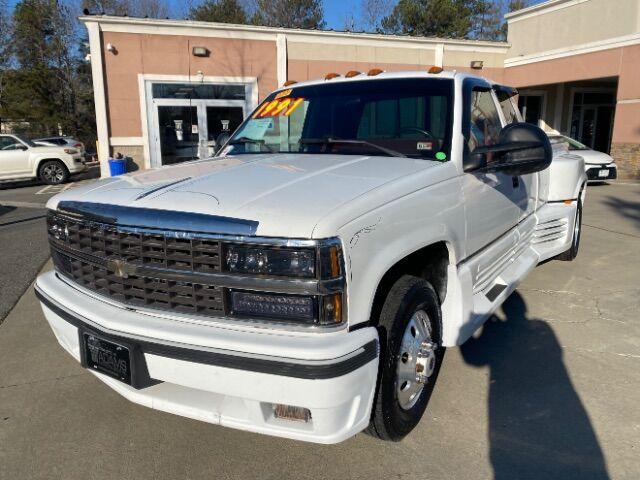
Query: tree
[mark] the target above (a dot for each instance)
(512, 6)
(372, 12)
(439, 18)
(223, 11)
(488, 21)
(49, 86)
(289, 13)
(5, 51)
(134, 8)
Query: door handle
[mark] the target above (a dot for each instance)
(515, 181)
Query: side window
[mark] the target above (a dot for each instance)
(485, 120)
(6, 143)
(508, 109)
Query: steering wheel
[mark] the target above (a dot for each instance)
(417, 130)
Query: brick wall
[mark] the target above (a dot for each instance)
(627, 157)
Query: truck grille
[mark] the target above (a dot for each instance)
(105, 260)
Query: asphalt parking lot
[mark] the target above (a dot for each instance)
(549, 389)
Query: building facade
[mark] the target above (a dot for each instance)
(165, 89)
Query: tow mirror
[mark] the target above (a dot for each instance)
(522, 148)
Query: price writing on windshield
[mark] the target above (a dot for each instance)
(278, 107)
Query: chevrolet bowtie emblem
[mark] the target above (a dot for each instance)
(122, 269)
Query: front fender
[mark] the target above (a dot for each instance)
(566, 177)
(377, 240)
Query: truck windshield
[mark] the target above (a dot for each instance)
(390, 117)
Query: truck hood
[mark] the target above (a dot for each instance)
(286, 194)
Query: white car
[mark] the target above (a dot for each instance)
(69, 142)
(306, 282)
(21, 159)
(598, 165)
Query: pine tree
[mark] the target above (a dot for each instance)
(289, 13)
(434, 18)
(223, 11)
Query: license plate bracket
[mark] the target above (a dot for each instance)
(106, 356)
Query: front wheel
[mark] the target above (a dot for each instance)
(572, 252)
(411, 355)
(53, 172)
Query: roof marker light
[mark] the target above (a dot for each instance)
(435, 70)
(352, 73)
(289, 82)
(374, 71)
(331, 75)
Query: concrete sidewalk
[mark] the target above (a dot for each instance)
(548, 390)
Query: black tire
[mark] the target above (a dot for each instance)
(570, 254)
(389, 420)
(53, 172)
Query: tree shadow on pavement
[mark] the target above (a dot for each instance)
(538, 427)
(627, 208)
(4, 209)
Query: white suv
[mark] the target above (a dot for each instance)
(21, 159)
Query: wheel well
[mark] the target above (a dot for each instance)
(429, 262)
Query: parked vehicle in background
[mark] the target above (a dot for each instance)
(306, 282)
(63, 142)
(22, 159)
(598, 165)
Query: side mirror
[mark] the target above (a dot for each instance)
(522, 148)
(21, 147)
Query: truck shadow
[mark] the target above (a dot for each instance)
(538, 427)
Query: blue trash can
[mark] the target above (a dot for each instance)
(117, 166)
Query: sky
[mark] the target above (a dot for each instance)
(335, 11)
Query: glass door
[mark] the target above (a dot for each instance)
(221, 122)
(178, 133)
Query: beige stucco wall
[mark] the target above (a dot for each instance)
(579, 23)
(343, 52)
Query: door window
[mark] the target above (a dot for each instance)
(8, 143)
(506, 104)
(485, 120)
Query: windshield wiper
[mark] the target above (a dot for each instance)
(255, 141)
(335, 141)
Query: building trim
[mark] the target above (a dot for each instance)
(610, 43)
(540, 9)
(126, 141)
(628, 101)
(250, 32)
(282, 58)
(97, 77)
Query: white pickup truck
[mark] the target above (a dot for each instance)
(306, 282)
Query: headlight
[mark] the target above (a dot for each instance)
(299, 262)
(70, 151)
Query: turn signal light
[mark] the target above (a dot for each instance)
(352, 73)
(331, 75)
(374, 71)
(435, 69)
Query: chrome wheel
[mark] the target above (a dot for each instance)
(417, 360)
(53, 173)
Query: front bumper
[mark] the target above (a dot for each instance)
(594, 172)
(224, 376)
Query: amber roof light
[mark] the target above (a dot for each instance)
(435, 70)
(331, 75)
(374, 71)
(352, 73)
(289, 82)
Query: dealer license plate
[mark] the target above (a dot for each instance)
(107, 357)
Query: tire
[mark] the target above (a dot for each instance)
(570, 254)
(53, 172)
(411, 302)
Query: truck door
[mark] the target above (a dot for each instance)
(526, 193)
(489, 196)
